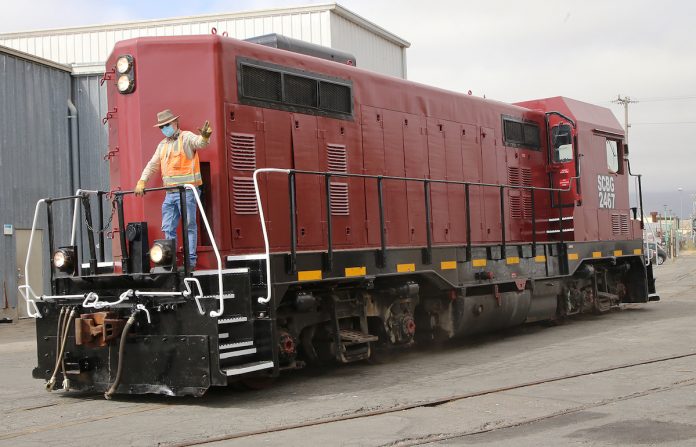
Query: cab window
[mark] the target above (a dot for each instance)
(613, 156)
(562, 139)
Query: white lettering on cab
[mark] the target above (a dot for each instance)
(605, 187)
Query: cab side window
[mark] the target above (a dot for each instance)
(562, 139)
(613, 159)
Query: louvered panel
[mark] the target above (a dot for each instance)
(244, 197)
(526, 177)
(516, 209)
(527, 204)
(339, 199)
(337, 159)
(624, 224)
(616, 224)
(243, 151)
(513, 176)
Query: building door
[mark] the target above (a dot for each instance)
(36, 280)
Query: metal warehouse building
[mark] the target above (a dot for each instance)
(52, 140)
(330, 25)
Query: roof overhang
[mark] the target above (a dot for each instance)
(332, 7)
(35, 59)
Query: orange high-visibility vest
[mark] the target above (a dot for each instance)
(177, 169)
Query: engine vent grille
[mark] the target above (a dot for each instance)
(619, 224)
(520, 199)
(337, 161)
(243, 151)
(244, 197)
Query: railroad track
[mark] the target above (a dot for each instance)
(445, 400)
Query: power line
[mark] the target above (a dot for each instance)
(664, 122)
(668, 98)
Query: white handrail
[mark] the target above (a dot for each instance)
(92, 300)
(196, 297)
(267, 256)
(30, 296)
(221, 309)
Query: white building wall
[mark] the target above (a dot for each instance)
(88, 47)
(371, 50)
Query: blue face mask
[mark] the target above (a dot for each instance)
(168, 130)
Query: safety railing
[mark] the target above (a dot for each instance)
(380, 179)
(91, 299)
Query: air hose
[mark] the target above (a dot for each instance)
(121, 349)
(63, 338)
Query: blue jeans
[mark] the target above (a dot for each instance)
(171, 215)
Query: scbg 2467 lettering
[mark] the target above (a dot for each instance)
(605, 188)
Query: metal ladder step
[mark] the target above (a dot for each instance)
(248, 367)
(232, 319)
(225, 296)
(565, 230)
(350, 336)
(238, 353)
(240, 344)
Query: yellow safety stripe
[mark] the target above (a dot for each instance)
(309, 275)
(355, 271)
(448, 265)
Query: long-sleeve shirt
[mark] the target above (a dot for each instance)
(190, 143)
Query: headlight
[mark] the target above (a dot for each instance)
(162, 252)
(124, 63)
(125, 84)
(156, 254)
(59, 259)
(64, 259)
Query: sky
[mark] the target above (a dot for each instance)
(590, 50)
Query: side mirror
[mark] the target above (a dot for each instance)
(625, 151)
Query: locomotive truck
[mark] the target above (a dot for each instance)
(343, 214)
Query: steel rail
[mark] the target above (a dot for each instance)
(430, 402)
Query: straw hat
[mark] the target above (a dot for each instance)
(165, 117)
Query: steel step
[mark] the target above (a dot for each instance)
(350, 336)
(565, 230)
(248, 367)
(223, 335)
(226, 355)
(240, 344)
(232, 319)
(225, 296)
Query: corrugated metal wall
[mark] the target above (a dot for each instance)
(94, 46)
(326, 25)
(34, 154)
(90, 99)
(372, 51)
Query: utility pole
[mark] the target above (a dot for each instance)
(625, 101)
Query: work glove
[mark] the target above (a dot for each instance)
(206, 131)
(140, 188)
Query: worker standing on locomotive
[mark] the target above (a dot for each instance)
(176, 158)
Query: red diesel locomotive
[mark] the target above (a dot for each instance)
(343, 212)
